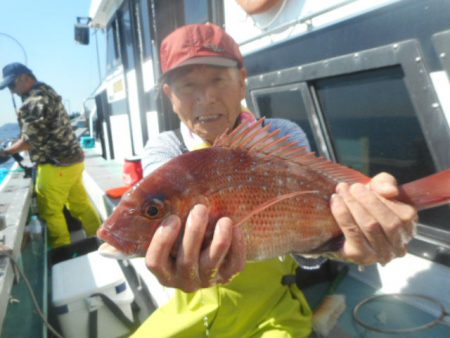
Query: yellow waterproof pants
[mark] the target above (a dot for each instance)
(57, 186)
(253, 305)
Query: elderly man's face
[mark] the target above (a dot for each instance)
(206, 98)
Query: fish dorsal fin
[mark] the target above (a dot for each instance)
(256, 138)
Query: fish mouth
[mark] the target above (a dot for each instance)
(107, 250)
(118, 247)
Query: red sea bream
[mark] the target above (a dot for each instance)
(276, 191)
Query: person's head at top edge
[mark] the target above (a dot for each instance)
(204, 78)
(18, 78)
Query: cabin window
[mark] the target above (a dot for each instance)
(146, 29)
(289, 105)
(169, 17)
(126, 37)
(373, 126)
(196, 11)
(112, 46)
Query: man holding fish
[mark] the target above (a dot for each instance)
(228, 286)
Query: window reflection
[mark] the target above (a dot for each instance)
(145, 16)
(127, 38)
(288, 105)
(374, 128)
(196, 11)
(112, 52)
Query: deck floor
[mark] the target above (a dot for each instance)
(101, 175)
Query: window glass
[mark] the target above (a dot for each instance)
(145, 29)
(126, 37)
(288, 105)
(374, 128)
(112, 50)
(196, 11)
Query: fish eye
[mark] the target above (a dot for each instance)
(155, 209)
(152, 211)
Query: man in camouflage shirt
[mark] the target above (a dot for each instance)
(46, 133)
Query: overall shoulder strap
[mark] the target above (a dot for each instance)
(177, 132)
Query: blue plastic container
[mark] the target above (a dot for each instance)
(87, 142)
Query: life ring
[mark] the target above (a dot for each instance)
(257, 6)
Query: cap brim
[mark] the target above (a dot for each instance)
(6, 82)
(211, 61)
(207, 60)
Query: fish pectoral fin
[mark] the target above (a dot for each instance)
(327, 250)
(273, 201)
(332, 245)
(309, 262)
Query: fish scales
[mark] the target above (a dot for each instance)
(276, 191)
(295, 223)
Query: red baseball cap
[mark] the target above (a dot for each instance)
(206, 44)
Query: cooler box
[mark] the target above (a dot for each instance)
(87, 142)
(73, 283)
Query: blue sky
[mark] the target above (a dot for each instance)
(44, 29)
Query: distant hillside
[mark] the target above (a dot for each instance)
(9, 131)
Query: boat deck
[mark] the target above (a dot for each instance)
(101, 175)
(15, 197)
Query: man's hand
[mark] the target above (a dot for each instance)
(195, 267)
(376, 226)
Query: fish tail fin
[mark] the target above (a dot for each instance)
(428, 192)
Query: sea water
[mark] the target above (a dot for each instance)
(5, 169)
(8, 131)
